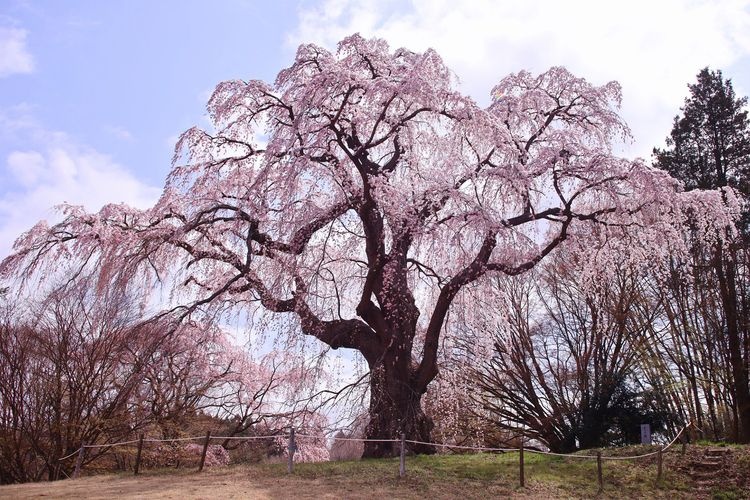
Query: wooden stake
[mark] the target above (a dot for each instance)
(599, 470)
(138, 456)
(683, 438)
(291, 449)
(205, 449)
(79, 461)
(658, 465)
(402, 462)
(520, 464)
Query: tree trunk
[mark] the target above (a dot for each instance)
(725, 270)
(395, 408)
(564, 444)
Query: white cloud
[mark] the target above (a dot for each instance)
(652, 48)
(14, 56)
(58, 170)
(120, 133)
(26, 166)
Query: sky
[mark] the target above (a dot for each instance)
(94, 94)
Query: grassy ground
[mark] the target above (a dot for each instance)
(433, 477)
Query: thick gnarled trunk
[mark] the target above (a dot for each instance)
(395, 408)
(395, 388)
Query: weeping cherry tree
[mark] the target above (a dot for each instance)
(361, 193)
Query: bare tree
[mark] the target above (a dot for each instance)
(63, 383)
(563, 370)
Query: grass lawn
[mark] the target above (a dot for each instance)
(431, 477)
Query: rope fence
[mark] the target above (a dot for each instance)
(292, 448)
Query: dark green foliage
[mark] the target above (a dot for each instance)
(709, 146)
(632, 407)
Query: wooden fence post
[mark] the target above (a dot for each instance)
(79, 461)
(291, 449)
(599, 470)
(205, 449)
(520, 464)
(138, 456)
(658, 465)
(683, 438)
(402, 460)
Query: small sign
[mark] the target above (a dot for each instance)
(645, 433)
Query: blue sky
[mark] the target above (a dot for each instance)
(93, 94)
